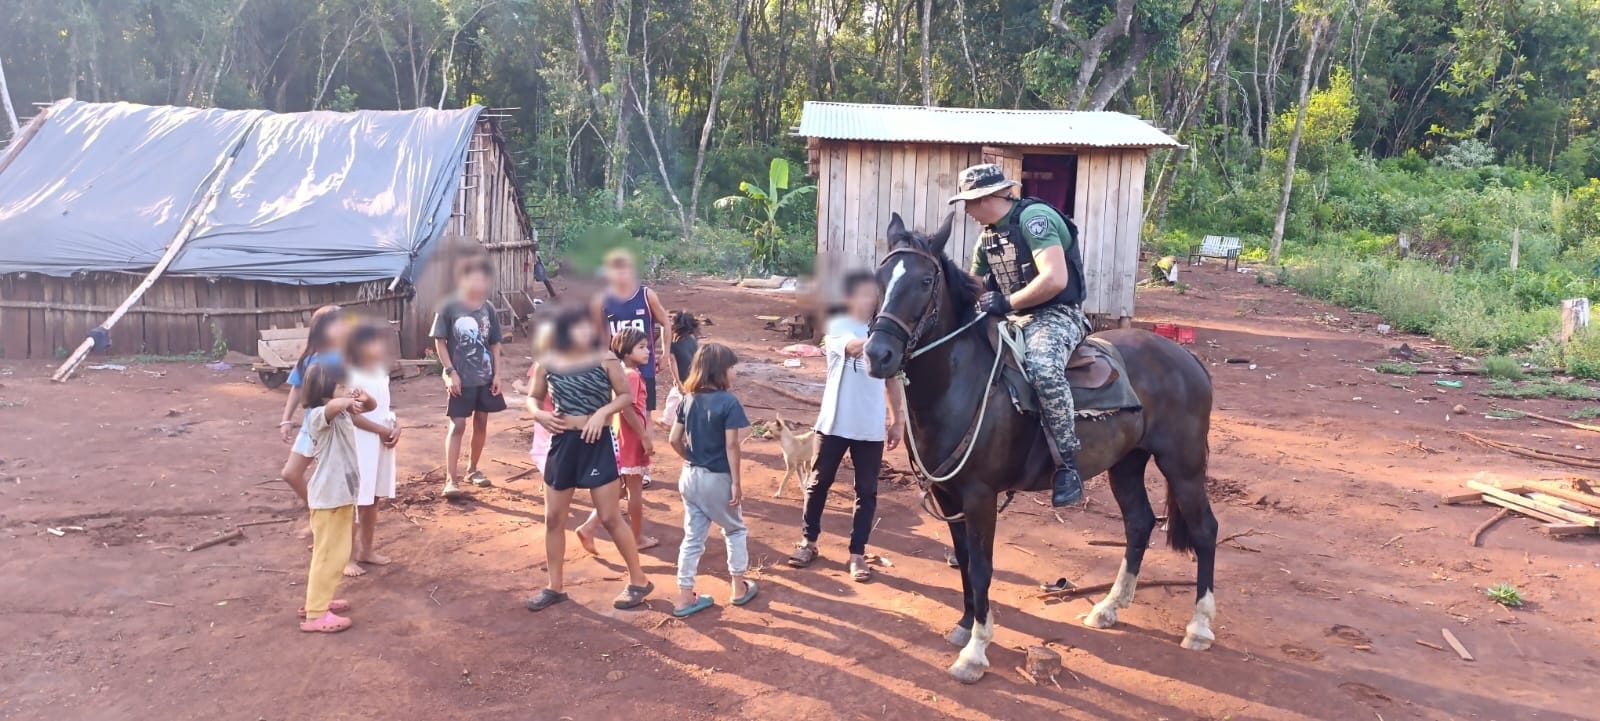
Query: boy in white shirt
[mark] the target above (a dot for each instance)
(861, 415)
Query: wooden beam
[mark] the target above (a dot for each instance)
(1490, 494)
(28, 131)
(1585, 499)
(185, 232)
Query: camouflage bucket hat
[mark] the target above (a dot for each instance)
(980, 180)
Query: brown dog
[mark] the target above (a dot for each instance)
(799, 453)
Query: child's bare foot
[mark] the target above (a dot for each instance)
(352, 569)
(586, 539)
(376, 559)
(648, 542)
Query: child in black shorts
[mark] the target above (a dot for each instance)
(466, 337)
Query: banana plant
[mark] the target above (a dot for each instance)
(761, 208)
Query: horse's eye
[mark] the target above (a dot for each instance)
(927, 282)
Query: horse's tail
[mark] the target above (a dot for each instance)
(1177, 525)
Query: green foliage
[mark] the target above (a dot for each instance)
(1585, 413)
(1581, 356)
(1396, 369)
(761, 208)
(1505, 594)
(1541, 389)
(1503, 368)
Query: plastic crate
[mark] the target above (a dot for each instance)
(1166, 330)
(1185, 335)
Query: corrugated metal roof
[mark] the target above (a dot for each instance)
(917, 124)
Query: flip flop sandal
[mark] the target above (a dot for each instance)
(700, 604)
(860, 572)
(1061, 584)
(544, 600)
(645, 483)
(950, 559)
(750, 591)
(337, 605)
(478, 479)
(633, 596)
(329, 623)
(803, 555)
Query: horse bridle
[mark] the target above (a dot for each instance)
(899, 327)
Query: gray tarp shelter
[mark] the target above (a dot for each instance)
(92, 191)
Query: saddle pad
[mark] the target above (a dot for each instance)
(1094, 361)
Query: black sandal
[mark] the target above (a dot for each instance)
(545, 599)
(633, 596)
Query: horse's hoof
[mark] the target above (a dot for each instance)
(967, 672)
(1104, 615)
(1198, 641)
(959, 636)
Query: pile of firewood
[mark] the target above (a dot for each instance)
(1566, 509)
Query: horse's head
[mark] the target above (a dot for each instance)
(914, 279)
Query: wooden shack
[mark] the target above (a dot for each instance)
(873, 160)
(47, 310)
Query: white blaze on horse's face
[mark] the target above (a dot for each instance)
(894, 280)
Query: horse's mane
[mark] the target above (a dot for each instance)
(964, 288)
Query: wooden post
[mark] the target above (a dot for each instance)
(1574, 317)
(1516, 247)
(185, 231)
(1404, 242)
(5, 100)
(21, 139)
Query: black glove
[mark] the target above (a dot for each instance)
(995, 303)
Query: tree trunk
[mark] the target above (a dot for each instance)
(585, 50)
(966, 51)
(1294, 138)
(711, 117)
(5, 99)
(927, 53)
(643, 106)
(1093, 47)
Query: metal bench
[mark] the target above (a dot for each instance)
(1224, 247)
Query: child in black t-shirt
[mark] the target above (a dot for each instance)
(706, 434)
(466, 337)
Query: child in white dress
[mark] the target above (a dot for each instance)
(377, 433)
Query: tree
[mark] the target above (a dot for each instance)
(761, 209)
(1319, 26)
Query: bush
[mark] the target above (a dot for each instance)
(1503, 367)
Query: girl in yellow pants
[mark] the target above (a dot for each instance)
(331, 493)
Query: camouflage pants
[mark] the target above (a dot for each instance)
(1051, 335)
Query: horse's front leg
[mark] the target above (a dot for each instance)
(974, 659)
(962, 633)
(950, 507)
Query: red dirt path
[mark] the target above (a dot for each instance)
(1309, 449)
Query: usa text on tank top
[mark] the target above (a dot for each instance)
(633, 312)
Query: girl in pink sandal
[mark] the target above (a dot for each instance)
(331, 493)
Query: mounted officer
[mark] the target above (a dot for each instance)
(1032, 271)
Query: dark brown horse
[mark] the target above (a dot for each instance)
(928, 330)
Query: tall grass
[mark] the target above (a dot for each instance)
(1464, 309)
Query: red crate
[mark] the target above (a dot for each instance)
(1185, 335)
(1166, 330)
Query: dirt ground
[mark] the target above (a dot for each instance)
(1322, 610)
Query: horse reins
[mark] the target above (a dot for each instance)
(910, 334)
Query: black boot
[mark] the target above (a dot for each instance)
(1067, 485)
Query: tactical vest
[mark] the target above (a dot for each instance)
(1010, 257)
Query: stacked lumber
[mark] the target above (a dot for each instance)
(1564, 510)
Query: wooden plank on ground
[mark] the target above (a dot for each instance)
(1558, 514)
(1567, 529)
(1455, 643)
(1585, 499)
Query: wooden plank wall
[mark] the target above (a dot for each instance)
(1110, 217)
(861, 183)
(194, 312)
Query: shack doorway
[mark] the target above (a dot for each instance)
(1053, 179)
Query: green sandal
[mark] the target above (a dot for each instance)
(750, 591)
(700, 604)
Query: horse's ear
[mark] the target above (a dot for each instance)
(897, 230)
(942, 235)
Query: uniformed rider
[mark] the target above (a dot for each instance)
(1032, 271)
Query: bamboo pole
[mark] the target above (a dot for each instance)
(185, 232)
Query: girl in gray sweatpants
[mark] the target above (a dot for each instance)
(706, 434)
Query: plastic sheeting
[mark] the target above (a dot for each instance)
(310, 198)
